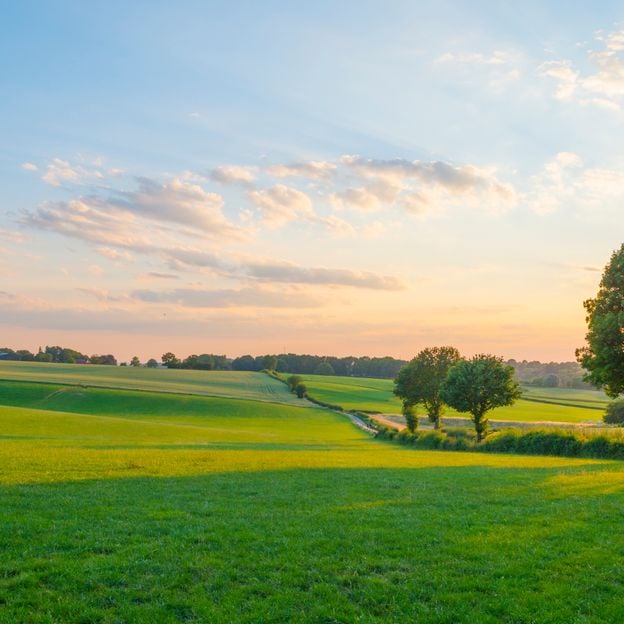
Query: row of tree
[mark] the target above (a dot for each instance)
(380, 367)
(549, 374)
(552, 374)
(439, 377)
(205, 361)
(57, 355)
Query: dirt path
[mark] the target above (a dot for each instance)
(397, 421)
(360, 423)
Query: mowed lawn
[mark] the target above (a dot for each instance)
(243, 385)
(539, 404)
(161, 508)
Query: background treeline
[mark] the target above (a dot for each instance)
(56, 354)
(549, 375)
(533, 373)
(382, 367)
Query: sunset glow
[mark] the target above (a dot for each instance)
(339, 178)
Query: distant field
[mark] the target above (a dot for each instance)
(126, 506)
(253, 386)
(547, 404)
(356, 393)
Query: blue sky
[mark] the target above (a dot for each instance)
(355, 177)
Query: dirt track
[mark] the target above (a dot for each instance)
(397, 421)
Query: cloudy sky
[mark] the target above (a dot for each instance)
(326, 177)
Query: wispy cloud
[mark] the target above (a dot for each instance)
(228, 298)
(290, 273)
(313, 169)
(61, 171)
(498, 57)
(117, 255)
(122, 218)
(233, 174)
(566, 182)
(426, 186)
(281, 204)
(604, 87)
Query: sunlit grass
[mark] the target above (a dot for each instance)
(241, 385)
(563, 404)
(164, 508)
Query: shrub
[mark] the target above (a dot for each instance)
(535, 442)
(431, 439)
(598, 446)
(293, 381)
(406, 437)
(301, 390)
(614, 414)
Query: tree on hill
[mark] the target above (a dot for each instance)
(301, 390)
(293, 381)
(244, 363)
(135, 361)
(269, 362)
(603, 356)
(324, 368)
(107, 360)
(170, 360)
(479, 385)
(420, 381)
(151, 363)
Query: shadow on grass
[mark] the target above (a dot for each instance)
(433, 544)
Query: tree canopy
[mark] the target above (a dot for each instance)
(420, 381)
(603, 356)
(479, 385)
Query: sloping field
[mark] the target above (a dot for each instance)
(242, 385)
(126, 506)
(540, 404)
(354, 393)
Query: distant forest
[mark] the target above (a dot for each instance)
(547, 375)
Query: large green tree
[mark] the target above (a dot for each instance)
(479, 385)
(603, 356)
(420, 381)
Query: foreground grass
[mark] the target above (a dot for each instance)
(161, 508)
(426, 543)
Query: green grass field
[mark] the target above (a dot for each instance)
(539, 404)
(253, 386)
(131, 506)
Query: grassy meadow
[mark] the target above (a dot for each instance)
(537, 404)
(121, 505)
(217, 383)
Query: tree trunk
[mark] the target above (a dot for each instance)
(480, 426)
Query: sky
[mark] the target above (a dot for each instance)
(342, 178)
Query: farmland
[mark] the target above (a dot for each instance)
(123, 505)
(219, 383)
(537, 404)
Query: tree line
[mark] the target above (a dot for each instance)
(57, 355)
(440, 377)
(534, 373)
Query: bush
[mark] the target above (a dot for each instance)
(293, 381)
(614, 414)
(431, 440)
(406, 437)
(562, 443)
(598, 446)
(301, 390)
